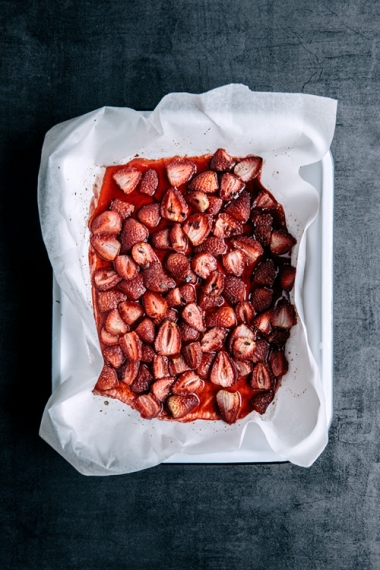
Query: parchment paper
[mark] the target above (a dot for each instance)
(288, 131)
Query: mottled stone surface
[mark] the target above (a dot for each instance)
(62, 59)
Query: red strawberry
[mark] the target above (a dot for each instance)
(171, 315)
(263, 322)
(243, 348)
(283, 315)
(243, 367)
(108, 338)
(223, 371)
(261, 377)
(240, 208)
(168, 339)
(235, 290)
(177, 365)
(178, 240)
(180, 406)
(161, 239)
(115, 324)
(173, 206)
(261, 351)
(149, 215)
(106, 279)
(213, 340)
(107, 379)
(132, 232)
(264, 273)
(149, 182)
(131, 346)
(248, 168)
(108, 222)
(155, 279)
(244, 312)
(197, 228)
(124, 209)
(229, 404)
(143, 254)
(221, 160)
(148, 406)
(160, 366)
(142, 381)
(188, 293)
(161, 388)
(134, 288)
(192, 314)
(287, 277)
(279, 337)
(203, 264)
(146, 331)
(207, 302)
(214, 284)
(242, 332)
(215, 205)
(261, 298)
(126, 267)
(230, 186)
(234, 262)
(188, 334)
(205, 182)
(265, 201)
(127, 179)
(261, 402)
(193, 354)
(130, 311)
(110, 300)
(155, 305)
(187, 383)
(263, 227)
(129, 371)
(180, 171)
(223, 317)
(174, 299)
(199, 200)
(281, 242)
(106, 246)
(251, 248)
(114, 356)
(205, 366)
(147, 353)
(226, 226)
(278, 363)
(213, 245)
(179, 266)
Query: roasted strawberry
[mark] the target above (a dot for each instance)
(160, 366)
(213, 340)
(264, 273)
(214, 206)
(261, 401)
(147, 353)
(161, 388)
(244, 312)
(263, 322)
(261, 377)
(203, 264)
(134, 288)
(243, 348)
(206, 182)
(278, 363)
(192, 353)
(110, 300)
(178, 239)
(155, 279)
(106, 279)
(173, 206)
(265, 201)
(248, 168)
(180, 406)
(214, 284)
(179, 266)
(149, 182)
(174, 299)
(251, 248)
(240, 208)
(180, 171)
(124, 209)
(132, 232)
(261, 351)
(146, 331)
(192, 314)
(283, 315)
(130, 311)
(230, 186)
(281, 242)
(188, 334)
(168, 339)
(178, 365)
(106, 246)
(108, 338)
(223, 371)
(227, 226)
(107, 379)
(143, 380)
(148, 406)
(243, 367)
(235, 290)
(114, 356)
(221, 160)
(263, 228)
(278, 337)
(108, 222)
(188, 293)
(287, 277)
(234, 262)
(197, 228)
(205, 366)
(115, 324)
(207, 302)
(242, 332)
(187, 383)
(127, 179)
(149, 215)
(199, 200)
(213, 245)
(223, 317)
(129, 371)
(143, 254)
(229, 404)
(154, 304)
(131, 345)
(261, 298)
(126, 267)
(161, 239)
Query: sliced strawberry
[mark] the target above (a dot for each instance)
(180, 171)
(134, 288)
(178, 239)
(207, 302)
(148, 406)
(107, 379)
(132, 232)
(161, 388)
(192, 353)
(115, 324)
(261, 298)
(261, 351)
(130, 311)
(229, 404)
(199, 200)
(161, 239)
(234, 262)
(223, 317)
(179, 266)
(265, 201)
(180, 406)
(244, 312)
(147, 353)
(168, 339)
(278, 363)
(287, 277)
(213, 340)
(235, 290)
(124, 209)
(178, 365)
(230, 186)
(143, 254)
(149, 215)
(106, 279)
(108, 222)
(264, 273)
(204, 369)
(281, 242)
(149, 182)
(154, 304)
(240, 208)
(227, 226)
(131, 346)
(174, 299)
(213, 245)
(188, 334)
(173, 206)
(192, 314)
(223, 371)
(160, 366)
(203, 264)
(279, 337)
(243, 367)
(261, 402)
(188, 293)
(142, 381)
(221, 160)
(214, 284)
(127, 179)
(251, 248)
(283, 315)
(206, 182)
(263, 228)
(242, 332)
(261, 377)
(114, 356)
(146, 331)
(188, 383)
(263, 322)
(126, 267)
(108, 338)
(155, 279)
(215, 205)
(106, 246)
(129, 371)
(110, 300)
(248, 168)
(197, 228)
(243, 348)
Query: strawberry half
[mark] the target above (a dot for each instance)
(124, 209)
(278, 363)
(263, 228)
(192, 353)
(251, 248)
(206, 182)
(261, 351)
(146, 331)
(108, 338)
(223, 317)
(107, 379)
(143, 254)
(223, 371)
(193, 315)
(168, 339)
(106, 279)
(114, 356)
(178, 239)
(108, 222)
(173, 206)
(265, 273)
(248, 168)
(213, 245)
(203, 264)
(281, 242)
(261, 402)
(148, 406)
(187, 333)
(134, 288)
(263, 322)
(241, 207)
(230, 186)
(287, 277)
(243, 367)
(199, 200)
(197, 228)
(177, 365)
(126, 267)
(221, 160)
(214, 284)
(207, 302)
(161, 239)
(155, 278)
(188, 383)
(147, 353)
(180, 171)
(180, 406)
(127, 179)
(265, 201)
(235, 290)
(283, 315)
(131, 346)
(161, 388)
(213, 340)
(133, 232)
(188, 293)
(106, 246)
(205, 366)
(110, 300)
(261, 377)
(142, 381)
(155, 305)
(160, 366)
(149, 215)
(229, 404)
(227, 226)
(244, 312)
(149, 182)
(129, 371)
(179, 266)
(261, 298)
(115, 324)
(234, 262)
(215, 205)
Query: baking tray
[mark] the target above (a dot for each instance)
(317, 297)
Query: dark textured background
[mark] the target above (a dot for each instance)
(61, 59)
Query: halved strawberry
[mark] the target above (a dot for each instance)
(109, 300)
(283, 315)
(106, 279)
(126, 267)
(147, 353)
(213, 340)
(198, 199)
(207, 302)
(177, 365)
(173, 206)
(261, 298)
(168, 339)
(279, 337)
(124, 209)
(107, 379)
(240, 208)
(134, 288)
(161, 388)
(244, 312)
(205, 366)
(149, 182)
(155, 305)
(192, 314)
(179, 266)
(160, 366)
(206, 182)
(129, 371)
(131, 345)
(203, 264)
(161, 239)
(242, 331)
(251, 248)
(192, 353)
(174, 299)
(108, 222)
(264, 273)
(261, 351)
(227, 226)
(180, 406)
(149, 215)
(187, 333)
(142, 381)
(148, 406)
(214, 284)
(106, 246)
(243, 367)
(180, 171)
(188, 293)
(265, 201)
(132, 232)
(215, 205)
(234, 262)
(155, 279)
(130, 311)
(223, 371)
(281, 242)
(261, 377)
(178, 239)
(230, 186)
(114, 356)
(213, 245)
(248, 168)
(187, 383)
(223, 317)
(235, 290)
(115, 324)
(263, 228)
(146, 331)
(197, 228)
(261, 402)
(243, 348)
(108, 338)
(127, 179)
(229, 404)
(221, 160)
(287, 277)
(263, 322)
(278, 363)
(143, 254)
